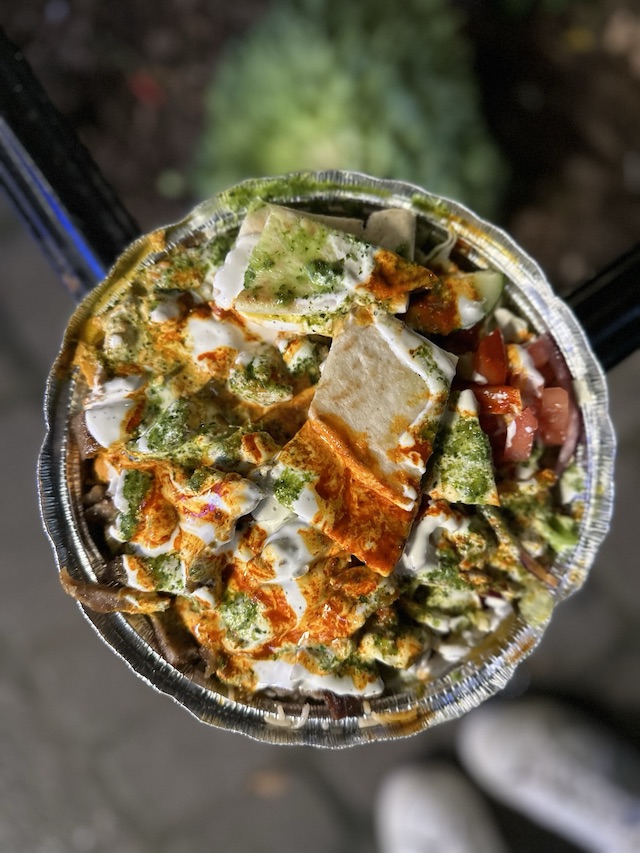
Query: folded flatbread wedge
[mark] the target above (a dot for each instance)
(354, 469)
(302, 275)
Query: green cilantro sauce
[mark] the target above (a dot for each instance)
(242, 616)
(463, 455)
(289, 485)
(135, 487)
(528, 507)
(166, 571)
(293, 259)
(261, 380)
(425, 354)
(171, 429)
(243, 196)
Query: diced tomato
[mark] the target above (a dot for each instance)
(553, 416)
(523, 374)
(539, 350)
(460, 341)
(550, 361)
(490, 358)
(498, 399)
(547, 374)
(560, 369)
(521, 431)
(494, 428)
(434, 312)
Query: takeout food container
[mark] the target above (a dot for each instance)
(489, 667)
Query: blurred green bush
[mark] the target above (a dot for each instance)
(357, 84)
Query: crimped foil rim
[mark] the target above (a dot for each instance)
(466, 685)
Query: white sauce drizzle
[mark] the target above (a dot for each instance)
(107, 408)
(205, 594)
(404, 342)
(138, 577)
(359, 260)
(116, 489)
(522, 364)
(271, 514)
(306, 504)
(229, 279)
(287, 676)
(131, 572)
(514, 329)
(295, 599)
(467, 405)
(419, 554)
(471, 311)
(142, 550)
(167, 309)
(245, 498)
(207, 334)
(286, 552)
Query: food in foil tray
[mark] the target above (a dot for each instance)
(326, 456)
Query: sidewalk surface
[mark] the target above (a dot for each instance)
(91, 759)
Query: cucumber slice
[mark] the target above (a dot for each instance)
(489, 284)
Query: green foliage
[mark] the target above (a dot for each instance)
(371, 86)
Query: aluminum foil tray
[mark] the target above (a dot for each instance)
(490, 666)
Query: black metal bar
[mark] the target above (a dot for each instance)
(608, 307)
(51, 179)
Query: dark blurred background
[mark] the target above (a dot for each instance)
(176, 97)
(528, 110)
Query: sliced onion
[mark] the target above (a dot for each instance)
(558, 365)
(536, 569)
(563, 377)
(574, 429)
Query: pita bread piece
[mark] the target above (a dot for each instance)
(303, 275)
(379, 402)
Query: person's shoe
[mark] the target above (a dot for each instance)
(558, 769)
(432, 809)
